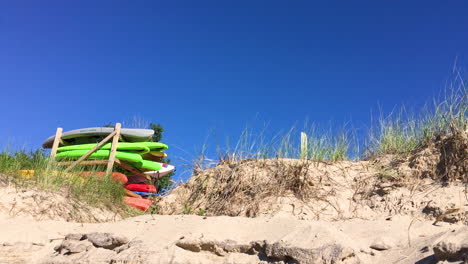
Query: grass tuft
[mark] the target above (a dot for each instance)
(404, 132)
(307, 143)
(101, 192)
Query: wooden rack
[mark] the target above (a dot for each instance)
(115, 135)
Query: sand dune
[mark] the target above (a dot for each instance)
(391, 209)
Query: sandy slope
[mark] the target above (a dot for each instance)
(377, 234)
(41, 205)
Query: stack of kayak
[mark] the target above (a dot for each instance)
(131, 152)
(137, 151)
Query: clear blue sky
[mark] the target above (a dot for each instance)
(194, 66)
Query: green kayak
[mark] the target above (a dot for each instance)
(148, 165)
(121, 146)
(134, 158)
(154, 146)
(99, 155)
(134, 147)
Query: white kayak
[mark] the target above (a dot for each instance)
(94, 134)
(162, 172)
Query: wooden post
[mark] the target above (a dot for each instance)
(91, 151)
(304, 146)
(115, 142)
(58, 136)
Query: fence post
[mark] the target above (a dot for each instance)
(115, 142)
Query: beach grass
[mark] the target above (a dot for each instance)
(403, 132)
(16, 166)
(399, 132)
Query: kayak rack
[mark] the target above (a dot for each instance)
(115, 135)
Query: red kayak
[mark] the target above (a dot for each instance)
(117, 176)
(139, 187)
(139, 203)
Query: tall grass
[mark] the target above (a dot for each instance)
(313, 144)
(396, 133)
(95, 191)
(306, 143)
(399, 132)
(403, 131)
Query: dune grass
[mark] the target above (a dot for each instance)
(399, 132)
(304, 143)
(403, 131)
(257, 168)
(95, 191)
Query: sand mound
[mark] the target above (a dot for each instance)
(41, 205)
(390, 209)
(414, 185)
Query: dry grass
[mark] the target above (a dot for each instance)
(249, 187)
(403, 132)
(443, 159)
(326, 189)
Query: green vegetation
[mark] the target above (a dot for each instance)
(404, 132)
(315, 145)
(158, 131)
(396, 133)
(97, 191)
(187, 209)
(201, 212)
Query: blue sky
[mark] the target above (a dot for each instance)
(197, 66)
